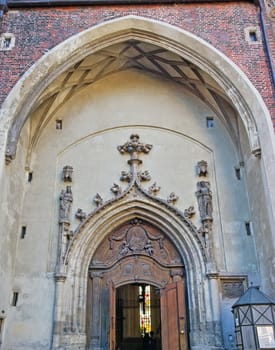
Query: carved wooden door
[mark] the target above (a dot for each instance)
(112, 337)
(173, 317)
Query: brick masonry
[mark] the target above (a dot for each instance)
(37, 30)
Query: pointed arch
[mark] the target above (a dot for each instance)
(99, 226)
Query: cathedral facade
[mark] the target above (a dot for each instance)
(137, 171)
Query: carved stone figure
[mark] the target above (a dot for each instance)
(66, 199)
(204, 196)
(172, 198)
(202, 168)
(67, 173)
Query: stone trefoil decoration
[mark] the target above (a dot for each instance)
(116, 189)
(202, 168)
(80, 214)
(126, 176)
(144, 176)
(98, 200)
(67, 173)
(154, 189)
(172, 198)
(189, 212)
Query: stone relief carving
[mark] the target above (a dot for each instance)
(136, 239)
(202, 168)
(66, 199)
(142, 242)
(67, 173)
(172, 198)
(80, 214)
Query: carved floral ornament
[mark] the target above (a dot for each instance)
(135, 177)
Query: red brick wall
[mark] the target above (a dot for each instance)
(222, 25)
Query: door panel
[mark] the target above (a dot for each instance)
(173, 317)
(112, 316)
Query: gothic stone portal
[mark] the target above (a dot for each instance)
(134, 256)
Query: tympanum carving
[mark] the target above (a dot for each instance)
(134, 239)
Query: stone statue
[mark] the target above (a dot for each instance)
(66, 199)
(204, 196)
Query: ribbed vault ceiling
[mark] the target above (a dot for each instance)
(132, 55)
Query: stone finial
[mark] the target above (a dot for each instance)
(67, 173)
(202, 168)
(133, 146)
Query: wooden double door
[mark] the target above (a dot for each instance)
(172, 331)
(136, 254)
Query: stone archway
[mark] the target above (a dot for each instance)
(136, 253)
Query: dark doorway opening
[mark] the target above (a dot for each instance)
(138, 317)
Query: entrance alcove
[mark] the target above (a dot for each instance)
(181, 81)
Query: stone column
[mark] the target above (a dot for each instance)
(58, 321)
(216, 308)
(96, 310)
